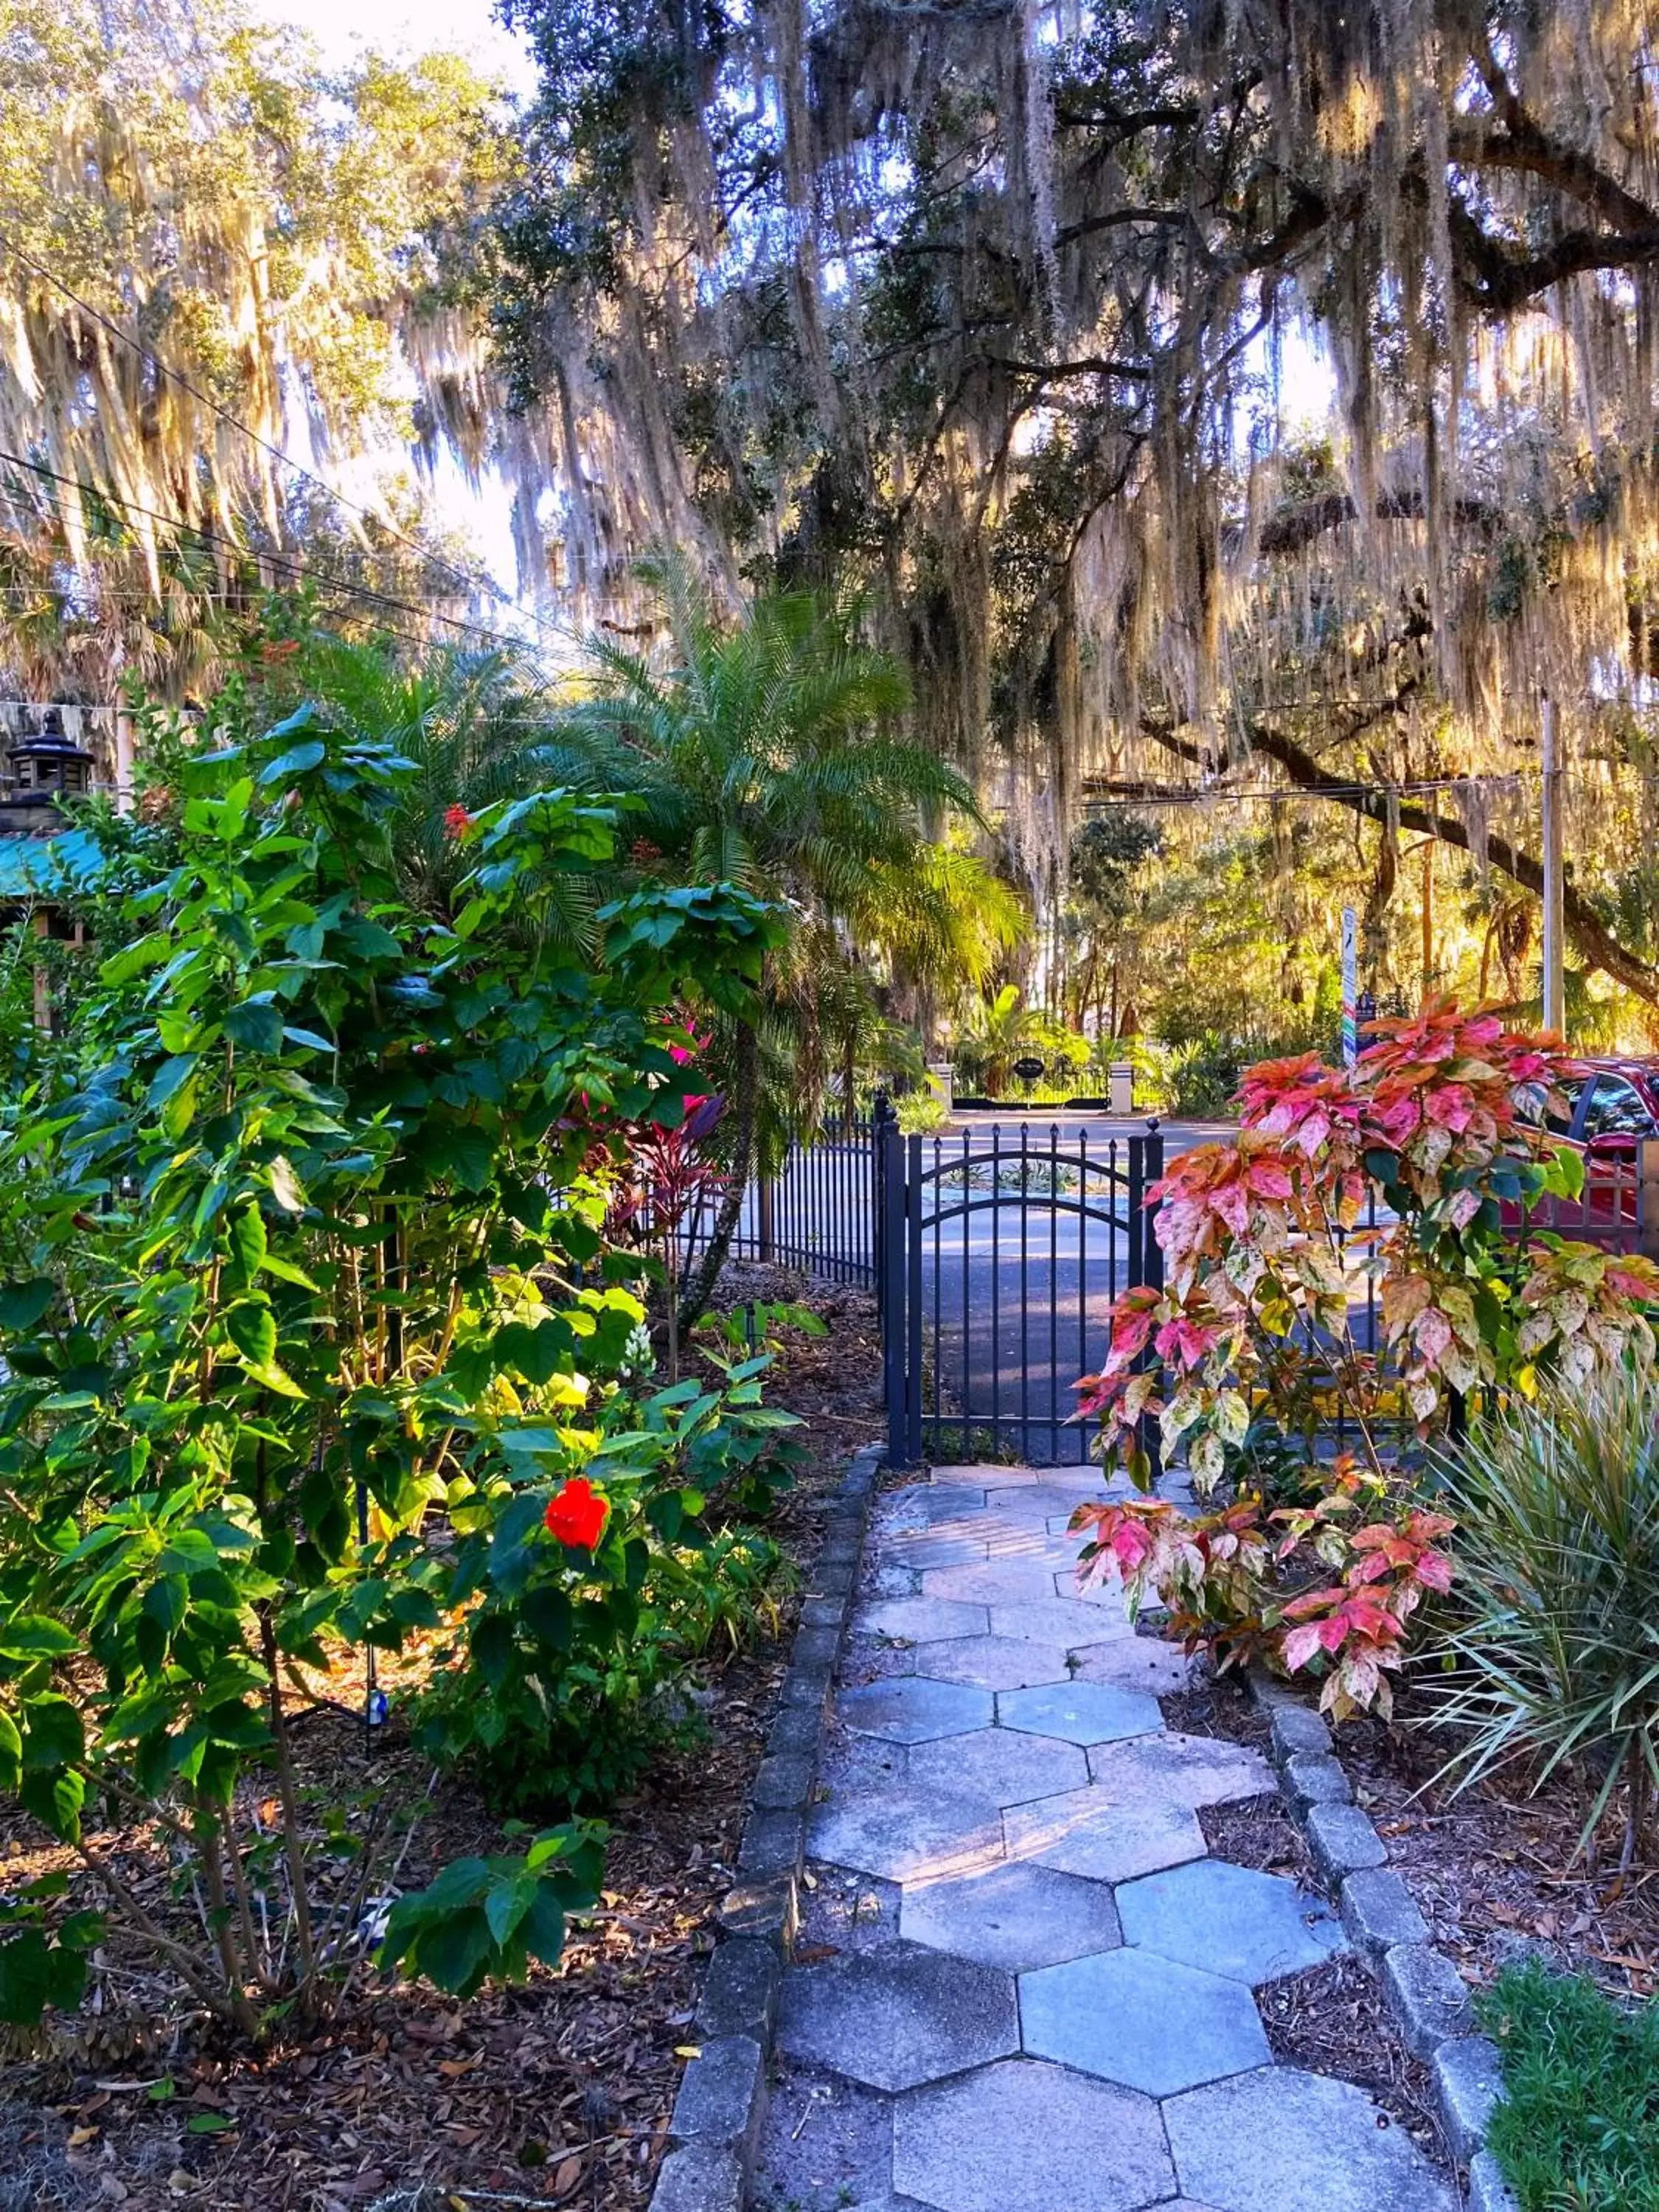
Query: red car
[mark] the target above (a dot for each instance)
(1614, 1107)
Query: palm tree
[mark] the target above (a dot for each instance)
(763, 752)
(1000, 1028)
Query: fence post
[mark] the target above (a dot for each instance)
(1647, 1198)
(912, 1301)
(1151, 1269)
(764, 1197)
(1152, 1250)
(890, 1157)
(881, 1115)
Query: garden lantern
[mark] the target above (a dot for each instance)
(49, 765)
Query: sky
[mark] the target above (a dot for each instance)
(343, 27)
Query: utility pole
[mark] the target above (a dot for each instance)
(1555, 1008)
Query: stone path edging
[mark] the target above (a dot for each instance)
(722, 2105)
(1426, 1993)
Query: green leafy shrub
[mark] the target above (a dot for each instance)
(308, 1321)
(1579, 2128)
(1556, 1640)
(565, 1677)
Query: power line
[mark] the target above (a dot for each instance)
(473, 580)
(281, 560)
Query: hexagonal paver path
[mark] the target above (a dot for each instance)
(920, 1620)
(1230, 1920)
(1187, 1770)
(1026, 2137)
(1013, 1917)
(1265, 2142)
(1141, 2020)
(904, 1836)
(995, 1662)
(1080, 1712)
(997, 1763)
(897, 2018)
(1029, 1987)
(910, 1709)
(1084, 1833)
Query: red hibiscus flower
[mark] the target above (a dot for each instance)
(456, 821)
(576, 1514)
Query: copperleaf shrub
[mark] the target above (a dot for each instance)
(306, 1316)
(1410, 1178)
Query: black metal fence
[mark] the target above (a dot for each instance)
(819, 1212)
(1001, 1249)
(995, 1250)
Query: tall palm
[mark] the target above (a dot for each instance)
(764, 752)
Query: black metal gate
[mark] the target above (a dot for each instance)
(1000, 1248)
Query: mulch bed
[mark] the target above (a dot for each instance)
(1497, 1873)
(1328, 2020)
(556, 2093)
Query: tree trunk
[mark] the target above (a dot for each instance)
(746, 1087)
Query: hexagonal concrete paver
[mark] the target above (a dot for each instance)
(1141, 2020)
(1267, 2140)
(1026, 2137)
(994, 1581)
(898, 2017)
(1108, 1595)
(911, 1709)
(1010, 1538)
(1080, 1712)
(1186, 1769)
(1230, 1920)
(905, 1835)
(992, 1662)
(919, 1620)
(999, 1764)
(871, 1659)
(1052, 1621)
(1134, 1662)
(925, 1505)
(849, 1763)
(1012, 1916)
(1084, 1832)
(926, 1547)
